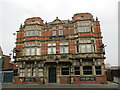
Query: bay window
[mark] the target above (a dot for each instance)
(86, 48)
(84, 23)
(52, 48)
(37, 51)
(83, 49)
(27, 51)
(33, 51)
(39, 33)
(76, 30)
(33, 33)
(89, 48)
(64, 47)
(84, 29)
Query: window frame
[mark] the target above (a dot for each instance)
(76, 71)
(40, 72)
(98, 70)
(60, 33)
(21, 72)
(51, 48)
(64, 71)
(54, 33)
(60, 27)
(86, 70)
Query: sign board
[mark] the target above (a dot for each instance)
(87, 78)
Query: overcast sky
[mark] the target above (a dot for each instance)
(14, 12)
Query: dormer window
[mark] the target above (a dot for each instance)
(60, 27)
(53, 28)
(82, 18)
(33, 22)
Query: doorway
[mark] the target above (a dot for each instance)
(52, 75)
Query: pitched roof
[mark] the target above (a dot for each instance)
(115, 67)
(1, 52)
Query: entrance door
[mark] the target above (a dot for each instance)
(52, 75)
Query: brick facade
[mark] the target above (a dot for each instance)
(69, 46)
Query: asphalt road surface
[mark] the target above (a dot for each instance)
(109, 86)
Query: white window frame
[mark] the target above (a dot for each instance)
(60, 27)
(38, 51)
(33, 51)
(85, 29)
(54, 28)
(60, 32)
(51, 50)
(54, 32)
(39, 33)
(27, 51)
(40, 72)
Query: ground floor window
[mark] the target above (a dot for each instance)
(33, 71)
(87, 70)
(40, 72)
(15, 72)
(98, 70)
(77, 70)
(29, 72)
(65, 71)
(22, 73)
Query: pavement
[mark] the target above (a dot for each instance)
(110, 85)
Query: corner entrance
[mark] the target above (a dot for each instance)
(52, 75)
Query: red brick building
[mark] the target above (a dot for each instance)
(61, 51)
(6, 68)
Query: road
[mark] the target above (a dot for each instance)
(109, 86)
